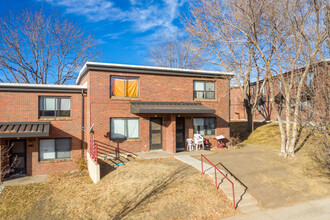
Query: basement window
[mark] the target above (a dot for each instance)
(52, 149)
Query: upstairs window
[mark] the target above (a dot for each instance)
(56, 107)
(124, 86)
(263, 92)
(204, 90)
(204, 126)
(309, 78)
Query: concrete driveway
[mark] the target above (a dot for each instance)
(273, 180)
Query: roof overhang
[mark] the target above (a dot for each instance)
(150, 70)
(24, 87)
(24, 129)
(169, 108)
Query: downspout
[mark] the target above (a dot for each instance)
(82, 123)
(229, 104)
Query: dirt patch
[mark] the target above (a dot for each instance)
(272, 179)
(162, 189)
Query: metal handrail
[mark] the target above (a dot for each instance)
(215, 175)
(93, 151)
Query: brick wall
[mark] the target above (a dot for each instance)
(320, 75)
(152, 88)
(23, 107)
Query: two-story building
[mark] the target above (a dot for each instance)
(131, 109)
(316, 80)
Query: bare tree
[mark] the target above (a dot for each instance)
(283, 35)
(314, 115)
(177, 53)
(220, 27)
(5, 166)
(41, 48)
(297, 34)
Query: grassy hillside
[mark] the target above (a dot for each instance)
(266, 135)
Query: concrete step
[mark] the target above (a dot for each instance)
(243, 199)
(248, 209)
(238, 190)
(246, 202)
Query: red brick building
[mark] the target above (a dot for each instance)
(132, 108)
(318, 74)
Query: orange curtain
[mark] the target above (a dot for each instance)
(132, 88)
(118, 87)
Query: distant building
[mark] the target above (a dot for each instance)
(318, 74)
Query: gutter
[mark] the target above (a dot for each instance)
(23, 87)
(149, 70)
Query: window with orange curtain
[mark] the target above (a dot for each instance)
(124, 86)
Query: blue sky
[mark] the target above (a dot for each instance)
(124, 29)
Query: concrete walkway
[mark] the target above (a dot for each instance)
(319, 209)
(158, 154)
(25, 180)
(243, 199)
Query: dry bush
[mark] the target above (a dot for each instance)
(234, 140)
(81, 164)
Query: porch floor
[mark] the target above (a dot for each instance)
(158, 154)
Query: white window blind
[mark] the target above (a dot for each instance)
(47, 149)
(117, 128)
(133, 128)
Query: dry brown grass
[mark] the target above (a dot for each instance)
(162, 189)
(269, 135)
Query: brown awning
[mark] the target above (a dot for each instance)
(169, 107)
(24, 129)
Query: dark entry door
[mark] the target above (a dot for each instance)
(180, 137)
(18, 156)
(155, 133)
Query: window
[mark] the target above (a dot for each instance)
(51, 149)
(54, 106)
(280, 85)
(204, 126)
(124, 86)
(298, 79)
(264, 90)
(124, 128)
(309, 78)
(204, 90)
(252, 90)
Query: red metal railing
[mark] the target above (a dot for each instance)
(93, 151)
(215, 176)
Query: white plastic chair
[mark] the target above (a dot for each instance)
(198, 140)
(190, 145)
